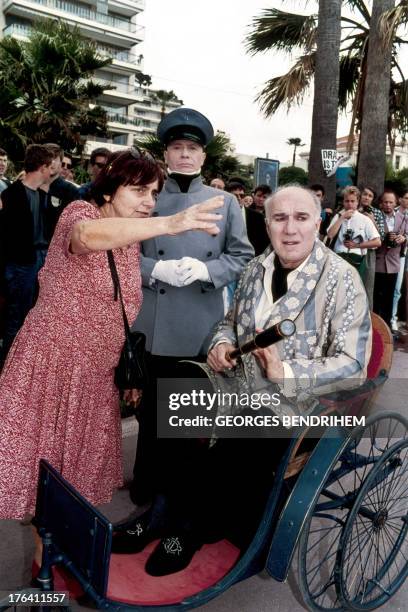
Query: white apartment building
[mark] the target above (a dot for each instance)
(113, 26)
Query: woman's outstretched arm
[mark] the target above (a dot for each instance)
(117, 232)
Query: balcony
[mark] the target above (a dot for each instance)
(121, 92)
(91, 22)
(121, 57)
(19, 30)
(125, 120)
(127, 7)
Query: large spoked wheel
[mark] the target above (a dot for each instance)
(372, 559)
(320, 537)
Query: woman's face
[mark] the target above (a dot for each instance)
(367, 197)
(135, 200)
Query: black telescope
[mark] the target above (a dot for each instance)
(269, 336)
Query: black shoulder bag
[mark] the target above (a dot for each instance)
(131, 371)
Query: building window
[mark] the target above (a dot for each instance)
(397, 162)
(119, 139)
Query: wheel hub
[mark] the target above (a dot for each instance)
(380, 519)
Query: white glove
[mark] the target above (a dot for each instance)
(191, 270)
(168, 271)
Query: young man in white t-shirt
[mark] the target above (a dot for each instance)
(353, 232)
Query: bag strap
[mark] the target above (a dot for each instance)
(117, 289)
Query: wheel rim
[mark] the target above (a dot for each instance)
(320, 538)
(372, 560)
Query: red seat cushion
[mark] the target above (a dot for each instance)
(377, 351)
(129, 583)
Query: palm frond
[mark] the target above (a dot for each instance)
(91, 90)
(349, 73)
(391, 20)
(280, 30)
(361, 7)
(288, 88)
(151, 144)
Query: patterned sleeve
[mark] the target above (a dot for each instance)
(343, 364)
(74, 212)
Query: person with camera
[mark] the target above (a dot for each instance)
(352, 232)
(388, 255)
(368, 196)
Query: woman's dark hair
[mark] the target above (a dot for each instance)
(369, 189)
(130, 167)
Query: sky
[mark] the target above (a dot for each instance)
(195, 48)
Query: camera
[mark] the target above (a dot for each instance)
(390, 242)
(348, 235)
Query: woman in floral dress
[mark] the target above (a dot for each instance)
(57, 395)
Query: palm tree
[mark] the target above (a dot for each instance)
(326, 93)
(164, 97)
(143, 79)
(46, 93)
(295, 143)
(293, 33)
(374, 126)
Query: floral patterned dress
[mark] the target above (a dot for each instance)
(57, 396)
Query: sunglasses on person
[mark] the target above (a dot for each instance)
(136, 153)
(67, 166)
(99, 165)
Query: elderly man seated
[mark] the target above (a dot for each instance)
(227, 485)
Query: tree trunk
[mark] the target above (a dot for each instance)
(326, 94)
(294, 156)
(373, 138)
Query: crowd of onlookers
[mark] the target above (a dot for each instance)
(369, 232)
(29, 210)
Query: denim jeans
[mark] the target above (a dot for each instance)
(397, 291)
(21, 292)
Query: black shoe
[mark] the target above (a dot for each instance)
(135, 538)
(171, 555)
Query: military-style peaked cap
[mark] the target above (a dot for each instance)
(185, 124)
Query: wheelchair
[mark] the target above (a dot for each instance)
(342, 506)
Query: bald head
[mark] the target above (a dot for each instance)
(294, 193)
(292, 221)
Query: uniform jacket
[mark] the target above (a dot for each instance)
(17, 227)
(388, 259)
(179, 321)
(332, 343)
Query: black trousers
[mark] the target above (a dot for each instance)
(164, 466)
(384, 287)
(219, 491)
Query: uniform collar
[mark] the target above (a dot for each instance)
(171, 186)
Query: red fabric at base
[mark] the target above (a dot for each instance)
(129, 583)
